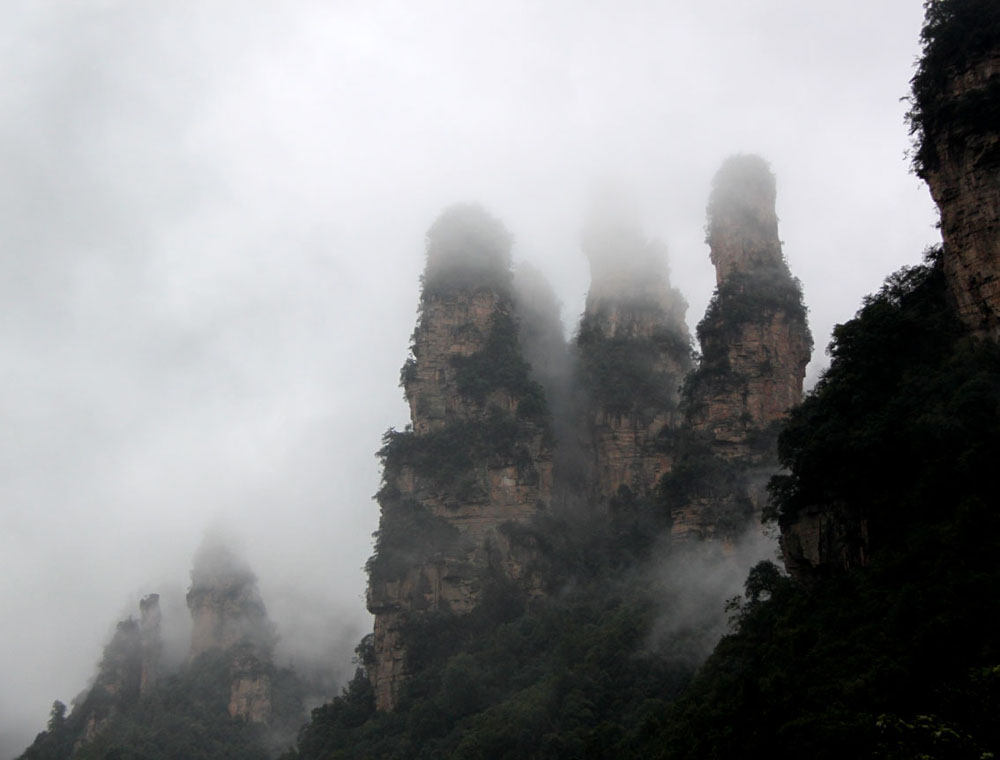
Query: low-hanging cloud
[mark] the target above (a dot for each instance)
(211, 232)
(692, 582)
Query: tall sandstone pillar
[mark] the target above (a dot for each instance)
(476, 460)
(755, 344)
(634, 350)
(229, 618)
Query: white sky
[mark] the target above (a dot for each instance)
(211, 231)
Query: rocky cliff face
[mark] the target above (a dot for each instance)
(476, 459)
(118, 681)
(755, 345)
(228, 617)
(956, 105)
(127, 671)
(226, 607)
(964, 186)
(754, 339)
(633, 350)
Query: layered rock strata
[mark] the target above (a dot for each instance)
(476, 460)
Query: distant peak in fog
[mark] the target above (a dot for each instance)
(467, 246)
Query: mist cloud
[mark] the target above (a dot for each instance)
(694, 581)
(212, 226)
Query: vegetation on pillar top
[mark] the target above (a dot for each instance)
(746, 298)
(956, 35)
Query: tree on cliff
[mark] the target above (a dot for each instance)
(956, 34)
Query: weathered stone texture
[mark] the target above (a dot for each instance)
(965, 184)
(764, 367)
(457, 325)
(755, 346)
(225, 604)
(250, 689)
(466, 310)
(229, 617)
(743, 225)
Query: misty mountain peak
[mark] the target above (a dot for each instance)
(626, 267)
(742, 226)
(226, 606)
(467, 247)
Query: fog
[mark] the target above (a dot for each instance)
(212, 221)
(693, 582)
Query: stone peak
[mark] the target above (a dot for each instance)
(225, 603)
(742, 229)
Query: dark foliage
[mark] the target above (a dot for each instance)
(408, 535)
(720, 483)
(501, 366)
(628, 374)
(748, 298)
(447, 457)
(557, 681)
(896, 659)
(903, 424)
(185, 716)
(743, 298)
(956, 34)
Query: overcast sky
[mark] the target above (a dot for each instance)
(212, 220)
